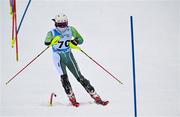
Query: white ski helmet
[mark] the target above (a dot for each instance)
(61, 21)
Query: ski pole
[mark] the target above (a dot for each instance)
(78, 48)
(101, 66)
(27, 65)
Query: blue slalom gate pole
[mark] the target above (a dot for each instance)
(23, 16)
(133, 66)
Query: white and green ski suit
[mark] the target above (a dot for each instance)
(63, 58)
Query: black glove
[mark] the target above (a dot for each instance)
(74, 41)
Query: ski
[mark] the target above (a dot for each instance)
(74, 102)
(103, 103)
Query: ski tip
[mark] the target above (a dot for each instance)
(51, 99)
(103, 103)
(106, 103)
(53, 94)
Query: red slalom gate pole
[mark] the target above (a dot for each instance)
(26, 65)
(16, 31)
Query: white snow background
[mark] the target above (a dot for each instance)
(105, 26)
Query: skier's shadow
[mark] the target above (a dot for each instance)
(55, 104)
(69, 104)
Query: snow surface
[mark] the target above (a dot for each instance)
(105, 26)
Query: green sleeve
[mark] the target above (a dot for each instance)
(49, 38)
(76, 35)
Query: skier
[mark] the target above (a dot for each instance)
(63, 57)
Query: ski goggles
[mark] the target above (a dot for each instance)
(61, 25)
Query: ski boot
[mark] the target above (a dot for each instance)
(72, 99)
(98, 100)
(101, 102)
(74, 102)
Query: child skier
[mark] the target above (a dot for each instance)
(63, 57)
